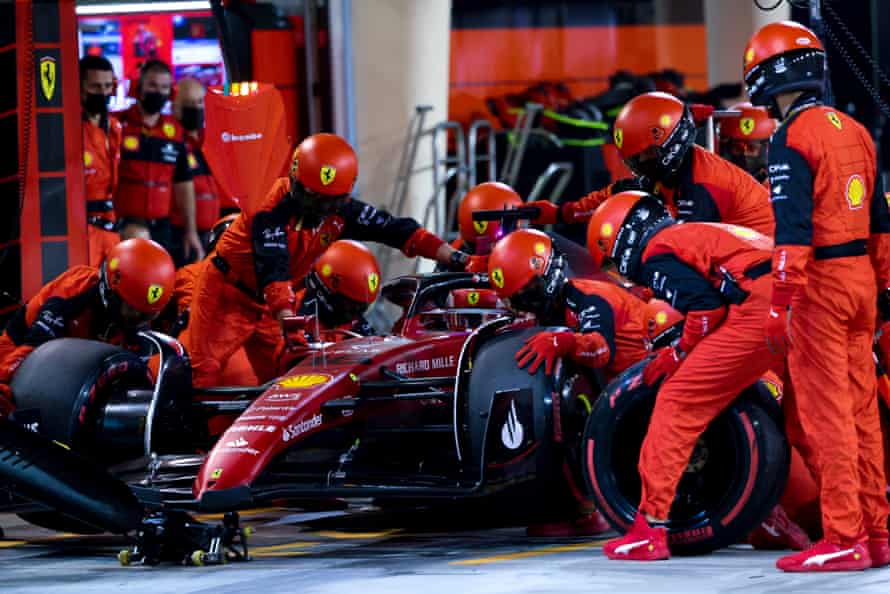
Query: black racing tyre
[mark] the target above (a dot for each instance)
(68, 381)
(735, 475)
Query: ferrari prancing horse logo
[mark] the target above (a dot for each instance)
(480, 227)
(155, 292)
(48, 76)
(497, 277)
(747, 126)
(328, 174)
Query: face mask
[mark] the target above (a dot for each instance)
(96, 103)
(152, 102)
(192, 118)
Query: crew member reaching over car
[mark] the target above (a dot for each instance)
(479, 237)
(655, 134)
(718, 276)
(110, 304)
(831, 215)
(247, 290)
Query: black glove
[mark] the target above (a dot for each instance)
(884, 304)
(458, 261)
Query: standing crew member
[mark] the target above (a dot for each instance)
(744, 139)
(655, 134)
(188, 108)
(249, 288)
(718, 277)
(154, 168)
(831, 214)
(101, 155)
(110, 304)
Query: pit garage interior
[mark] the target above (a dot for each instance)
(435, 96)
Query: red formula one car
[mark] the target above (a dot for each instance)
(435, 412)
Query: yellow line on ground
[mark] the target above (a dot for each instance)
(299, 544)
(271, 554)
(355, 535)
(245, 514)
(534, 553)
(6, 544)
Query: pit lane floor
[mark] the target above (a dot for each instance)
(361, 554)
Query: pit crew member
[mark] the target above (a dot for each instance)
(241, 298)
(832, 245)
(744, 139)
(716, 275)
(110, 304)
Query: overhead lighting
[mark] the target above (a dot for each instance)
(132, 7)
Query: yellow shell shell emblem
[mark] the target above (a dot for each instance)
(169, 130)
(749, 56)
(373, 282)
(855, 192)
(834, 119)
(497, 278)
(327, 175)
(473, 298)
(155, 292)
(480, 227)
(540, 248)
(664, 121)
(661, 318)
(326, 270)
(112, 264)
(131, 143)
(746, 125)
(606, 230)
(618, 135)
(307, 380)
(87, 158)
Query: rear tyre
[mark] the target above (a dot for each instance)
(735, 476)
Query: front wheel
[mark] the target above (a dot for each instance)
(735, 475)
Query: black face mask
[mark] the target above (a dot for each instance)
(192, 118)
(152, 102)
(313, 208)
(96, 103)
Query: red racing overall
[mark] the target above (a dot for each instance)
(101, 157)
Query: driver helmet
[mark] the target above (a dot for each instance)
(323, 171)
(664, 324)
(136, 281)
(621, 226)
(744, 139)
(482, 235)
(527, 272)
(653, 133)
(466, 308)
(783, 57)
(345, 281)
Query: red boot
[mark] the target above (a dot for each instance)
(641, 543)
(778, 532)
(827, 556)
(591, 524)
(879, 550)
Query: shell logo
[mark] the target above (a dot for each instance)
(540, 248)
(131, 143)
(113, 263)
(749, 56)
(87, 158)
(855, 192)
(664, 121)
(169, 130)
(606, 230)
(661, 318)
(326, 270)
(307, 380)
